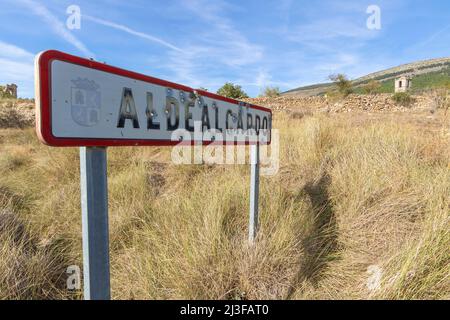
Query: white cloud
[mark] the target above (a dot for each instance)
(435, 36)
(15, 70)
(216, 51)
(222, 41)
(16, 65)
(131, 31)
(8, 50)
(330, 30)
(58, 27)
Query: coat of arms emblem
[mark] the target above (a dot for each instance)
(85, 102)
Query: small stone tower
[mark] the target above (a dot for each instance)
(11, 89)
(403, 84)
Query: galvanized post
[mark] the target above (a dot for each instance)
(94, 207)
(254, 193)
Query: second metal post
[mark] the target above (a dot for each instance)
(254, 193)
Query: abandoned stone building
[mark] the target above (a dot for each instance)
(9, 90)
(403, 83)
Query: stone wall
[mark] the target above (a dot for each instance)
(354, 102)
(16, 114)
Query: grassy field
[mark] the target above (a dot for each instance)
(359, 209)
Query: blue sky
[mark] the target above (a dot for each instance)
(200, 43)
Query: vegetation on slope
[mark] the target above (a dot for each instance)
(359, 209)
(421, 82)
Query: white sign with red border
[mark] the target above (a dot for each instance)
(80, 102)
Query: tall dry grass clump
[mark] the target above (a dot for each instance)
(359, 209)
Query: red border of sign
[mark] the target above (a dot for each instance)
(43, 102)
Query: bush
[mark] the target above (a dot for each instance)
(271, 92)
(233, 91)
(403, 98)
(343, 84)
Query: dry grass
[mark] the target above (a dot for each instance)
(351, 196)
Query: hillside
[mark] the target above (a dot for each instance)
(426, 74)
(358, 210)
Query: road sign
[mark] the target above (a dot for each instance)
(81, 102)
(92, 105)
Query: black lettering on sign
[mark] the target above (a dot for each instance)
(187, 103)
(216, 116)
(205, 118)
(127, 109)
(264, 123)
(172, 108)
(265, 126)
(188, 115)
(257, 124)
(150, 112)
(240, 124)
(249, 121)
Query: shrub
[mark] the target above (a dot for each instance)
(233, 91)
(343, 84)
(271, 92)
(403, 98)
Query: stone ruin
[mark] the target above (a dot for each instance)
(10, 90)
(403, 83)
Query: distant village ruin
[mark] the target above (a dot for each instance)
(8, 91)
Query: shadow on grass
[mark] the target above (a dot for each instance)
(322, 240)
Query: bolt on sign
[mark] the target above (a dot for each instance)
(81, 102)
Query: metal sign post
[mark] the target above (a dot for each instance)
(254, 193)
(94, 207)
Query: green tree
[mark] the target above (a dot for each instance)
(233, 91)
(343, 84)
(271, 92)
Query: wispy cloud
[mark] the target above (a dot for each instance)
(16, 65)
(10, 50)
(199, 60)
(221, 35)
(126, 29)
(435, 36)
(57, 26)
(329, 30)
(217, 47)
